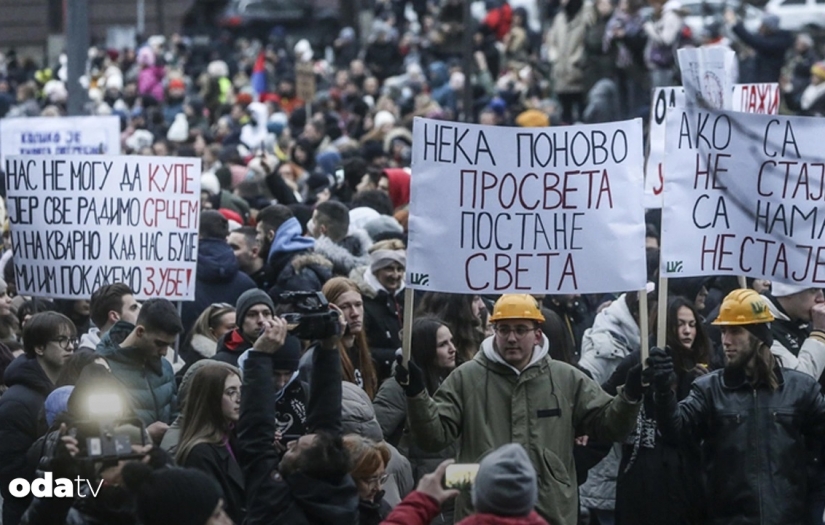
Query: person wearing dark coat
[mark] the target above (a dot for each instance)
(751, 420)
(666, 476)
(253, 309)
(219, 279)
(770, 44)
(382, 288)
(290, 257)
(48, 342)
(291, 393)
(383, 58)
(207, 440)
(310, 484)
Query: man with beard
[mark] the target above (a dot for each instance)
(751, 418)
(291, 262)
(310, 483)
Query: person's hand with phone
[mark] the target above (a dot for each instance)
(431, 484)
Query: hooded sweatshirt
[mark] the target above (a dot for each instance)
(289, 238)
(539, 353)
(90, 340)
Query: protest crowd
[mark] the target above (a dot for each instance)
(276, 390)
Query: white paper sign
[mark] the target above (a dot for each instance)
(747, 98)
(539, 210)
(59, 136)
(79, 222)
(745, 195)
(762, 99)
(707, 76)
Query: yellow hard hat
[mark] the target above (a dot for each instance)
(516, 306)
(743, 307)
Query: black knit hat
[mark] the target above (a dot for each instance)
(178, 496)
(288, 356)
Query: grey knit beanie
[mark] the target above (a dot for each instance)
(506, 483)
(250, 298)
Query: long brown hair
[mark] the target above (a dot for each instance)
(764, 363)
(203, 419)
(333, 290)
(456, 311)
(699, 353)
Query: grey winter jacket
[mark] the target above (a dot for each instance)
(358, 417)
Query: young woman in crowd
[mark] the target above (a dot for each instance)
(433, 351)
(356, 359)
(369, 470)
(207, 434)
(382, 284)
(9, 326)
(209, 328)
(463, 314)
(666, 476)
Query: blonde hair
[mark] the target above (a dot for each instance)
(210, 319)
(388, 244)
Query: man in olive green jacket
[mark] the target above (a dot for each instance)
(512, 391)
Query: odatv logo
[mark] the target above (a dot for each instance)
(48, 487)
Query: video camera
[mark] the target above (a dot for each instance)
(311, 317)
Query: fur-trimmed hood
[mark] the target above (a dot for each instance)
(358, 276)
(305, 261)
(368, 284)
(347, 255)
(204, 346)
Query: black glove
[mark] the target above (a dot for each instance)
(661, 374)
(633, 383)
(411, 378)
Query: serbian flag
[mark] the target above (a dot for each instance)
(258, 79)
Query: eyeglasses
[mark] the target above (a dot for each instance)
(520, 331)
(232, 393)
(66, 342)
(376, 480)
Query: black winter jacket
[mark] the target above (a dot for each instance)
(219, 280)
(297, 499)
(220, 465)
(667, 477)
(20, 407)
(383, 316)
(753, 445)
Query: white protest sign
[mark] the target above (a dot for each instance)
(78, 223)
(745, 195)
(707, 76)
(59, 136)
(747, 98)
(541, 210)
